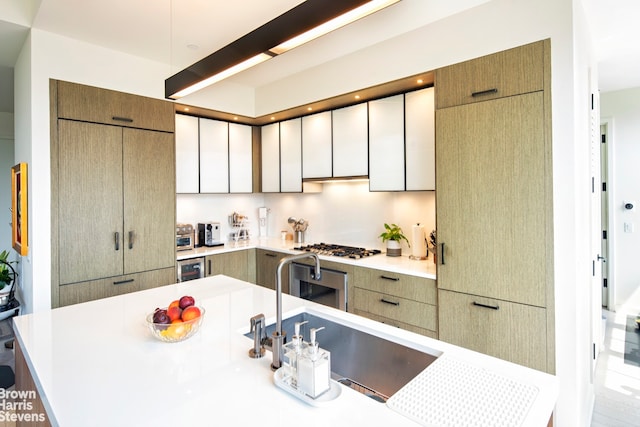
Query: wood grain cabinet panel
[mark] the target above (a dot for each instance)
(405, 301)
(266, 266)
(108, 287)
(494, 203)
(233, 264)
(510, 72)
(490, 200)
(509, 331)
(113, 197)
(97, 105)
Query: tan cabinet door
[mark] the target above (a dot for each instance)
(490, 199)
(90, 201)
(149, 200)
(509, 331)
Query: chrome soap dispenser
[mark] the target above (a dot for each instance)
(314, 368)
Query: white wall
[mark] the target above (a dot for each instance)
(622, 111)
(6, 162)
(343, 213)
(490, 27)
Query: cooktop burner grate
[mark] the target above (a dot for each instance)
(338, 250)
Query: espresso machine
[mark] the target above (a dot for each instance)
(209, 234)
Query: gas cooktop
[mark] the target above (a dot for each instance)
(338, 250)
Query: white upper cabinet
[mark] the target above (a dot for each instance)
(291, 156)
(214, 156)
(386, 144)
(240, 159)
(420, 140)
(270, 154)
(350, 141)
(186, 154)
(316, 145)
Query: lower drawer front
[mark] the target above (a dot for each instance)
(507, 330)
(102, 288)
(398, 324)
(395, 308)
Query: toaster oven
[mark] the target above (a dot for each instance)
(184, 237)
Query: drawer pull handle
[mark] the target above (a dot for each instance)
(395, 279)
(492, 307)
(121, 282)
(271, 255)
(122, 119)
(484, 92)
(386, 301)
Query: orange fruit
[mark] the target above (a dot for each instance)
(174, 313)
(190, 313)
(175, 303)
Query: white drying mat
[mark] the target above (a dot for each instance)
(452, 393)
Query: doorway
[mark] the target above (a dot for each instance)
(604, 250)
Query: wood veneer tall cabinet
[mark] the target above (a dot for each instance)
(494, 205)
(113, 193)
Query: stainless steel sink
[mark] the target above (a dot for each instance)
(372, 365)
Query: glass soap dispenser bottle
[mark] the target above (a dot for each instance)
(314, 368)
(292, 352)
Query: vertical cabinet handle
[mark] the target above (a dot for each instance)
(209, 267)
(116, 236)
(441, 253)
(131, 237)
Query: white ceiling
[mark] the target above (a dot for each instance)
(180, 32)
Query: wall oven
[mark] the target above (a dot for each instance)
(330, 290)
(190, 269)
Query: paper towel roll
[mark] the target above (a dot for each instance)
(418, 242)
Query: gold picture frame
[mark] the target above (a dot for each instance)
(19, 219)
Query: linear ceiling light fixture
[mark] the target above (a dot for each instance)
(305, 22)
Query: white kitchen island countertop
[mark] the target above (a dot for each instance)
(97, 364)
(403, 264)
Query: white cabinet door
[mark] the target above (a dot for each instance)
(214, 156)
(316, 145)
(291, 156)
(240, 159)
(386, 144)
(350, 141)
(270, 154)
(420, 140)
(186, 154)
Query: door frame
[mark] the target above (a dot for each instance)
(606, 126)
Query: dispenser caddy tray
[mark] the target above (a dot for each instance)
(280, 377)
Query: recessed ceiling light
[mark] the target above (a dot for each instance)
(186, 108)
(357, 97)
(309, 109)
(235, 118)
(273, 118)
(420, 81)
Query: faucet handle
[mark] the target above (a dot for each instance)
(257, 326)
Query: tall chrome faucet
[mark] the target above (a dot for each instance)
(278, 335)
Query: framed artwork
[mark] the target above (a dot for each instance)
(19, 220)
